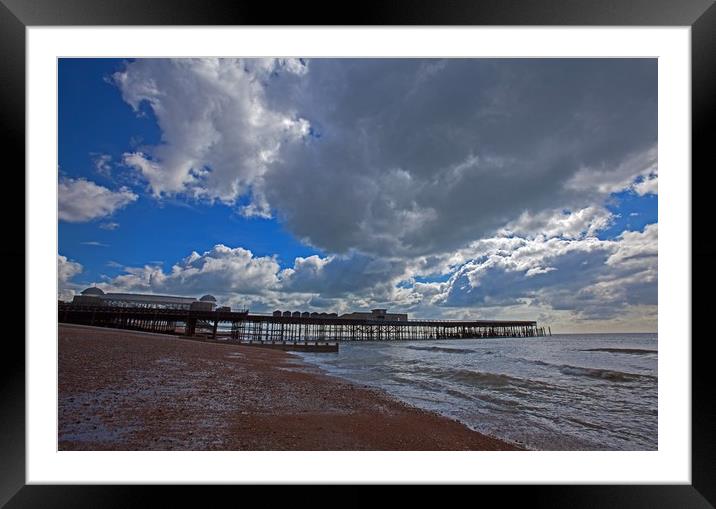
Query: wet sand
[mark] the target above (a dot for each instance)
(122, 390)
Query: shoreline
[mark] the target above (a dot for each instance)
(127, 390)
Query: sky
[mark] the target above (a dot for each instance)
(450, 189)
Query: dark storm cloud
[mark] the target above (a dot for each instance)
(419, 156)
(340, 275)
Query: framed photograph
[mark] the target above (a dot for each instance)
(424, 245)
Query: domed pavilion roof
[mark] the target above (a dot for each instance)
(92, 291)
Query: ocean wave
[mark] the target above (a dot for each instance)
(588, 424)
(597, 373)
(632, 351)
(441, 349)
(492, 379)
(604, 374)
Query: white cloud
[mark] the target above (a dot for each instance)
(218, 132)
(647, 185)
(103, 164)
(109, 226)
(66, 270)
(236, 276)
(591, 278)
(557, 223)
(634, 247)
(221, 270)
(159, 180)
(81, 200)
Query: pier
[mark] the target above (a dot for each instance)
(242, 327)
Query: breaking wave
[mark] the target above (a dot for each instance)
(441, 349)
(632, 351)
(472, 377)
(604, 374)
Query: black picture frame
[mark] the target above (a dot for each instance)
(700, 15)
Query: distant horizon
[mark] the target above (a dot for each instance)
(520, 189)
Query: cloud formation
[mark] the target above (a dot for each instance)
(102, 164)
(592, 278)
(221, 270)
(396, 157)
(416, 157)
(647, 185)
(584, 278)
(81, 200)
(340, 276)
(218, 133)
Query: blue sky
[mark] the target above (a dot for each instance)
(94, 120)
(631, 212)
(445, 188)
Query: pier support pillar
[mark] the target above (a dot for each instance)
(190, 326)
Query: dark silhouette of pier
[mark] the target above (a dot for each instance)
(240, 326)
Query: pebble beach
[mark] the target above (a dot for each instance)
(125, 390)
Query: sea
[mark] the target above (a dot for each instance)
(561, 392)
